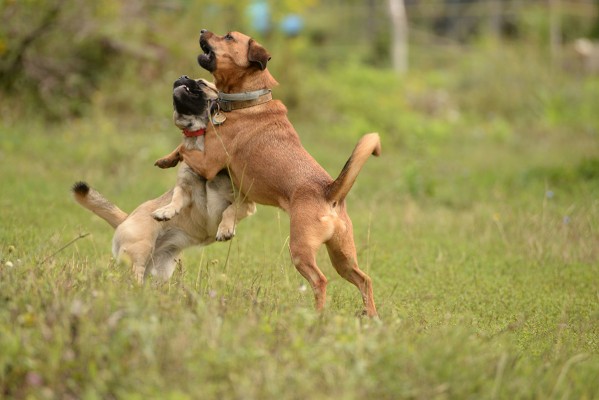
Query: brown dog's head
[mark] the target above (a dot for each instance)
(237, 62)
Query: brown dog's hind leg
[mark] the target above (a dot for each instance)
(303, 256)
(342, 252)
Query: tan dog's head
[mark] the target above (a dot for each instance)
(237, 62)
(190, 101)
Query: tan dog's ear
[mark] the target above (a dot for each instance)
(258, 54)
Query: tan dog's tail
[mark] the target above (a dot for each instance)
(94, 201)
(368, 144)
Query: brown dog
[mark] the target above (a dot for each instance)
(268, 164)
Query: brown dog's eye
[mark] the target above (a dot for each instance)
(228, 36)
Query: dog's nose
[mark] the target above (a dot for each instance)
(204, 31)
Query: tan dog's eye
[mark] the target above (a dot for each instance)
(228, 36)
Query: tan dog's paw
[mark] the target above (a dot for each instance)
(138, 273)
(225, 232)
(167, 162)
(165, 213)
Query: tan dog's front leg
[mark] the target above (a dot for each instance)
(170, 160)
(231, 216)
(181, 199)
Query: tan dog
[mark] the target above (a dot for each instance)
(190, 100)
(195, 212)
(268, 163)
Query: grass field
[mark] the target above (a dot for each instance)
(479, 225)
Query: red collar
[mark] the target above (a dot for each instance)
(199, 132)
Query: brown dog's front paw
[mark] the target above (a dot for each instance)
(166, 162)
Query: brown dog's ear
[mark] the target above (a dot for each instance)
(258, 54)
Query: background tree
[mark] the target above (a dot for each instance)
(399, 46)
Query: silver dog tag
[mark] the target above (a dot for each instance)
(218, 118)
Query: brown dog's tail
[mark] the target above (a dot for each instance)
(95, 202)
(369, 144)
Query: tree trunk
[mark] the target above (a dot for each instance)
(555, 34)
(399, 39)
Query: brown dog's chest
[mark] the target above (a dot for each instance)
(265, 156)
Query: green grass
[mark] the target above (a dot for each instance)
(478, 225)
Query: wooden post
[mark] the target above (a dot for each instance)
(555, 34)
(495, 11)
(399, 39)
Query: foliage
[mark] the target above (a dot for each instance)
(60, 56)
(38, 65)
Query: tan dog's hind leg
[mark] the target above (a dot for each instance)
(139, 253)
(342, 252)
(231, 216)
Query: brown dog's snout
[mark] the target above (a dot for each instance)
(205, 35)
